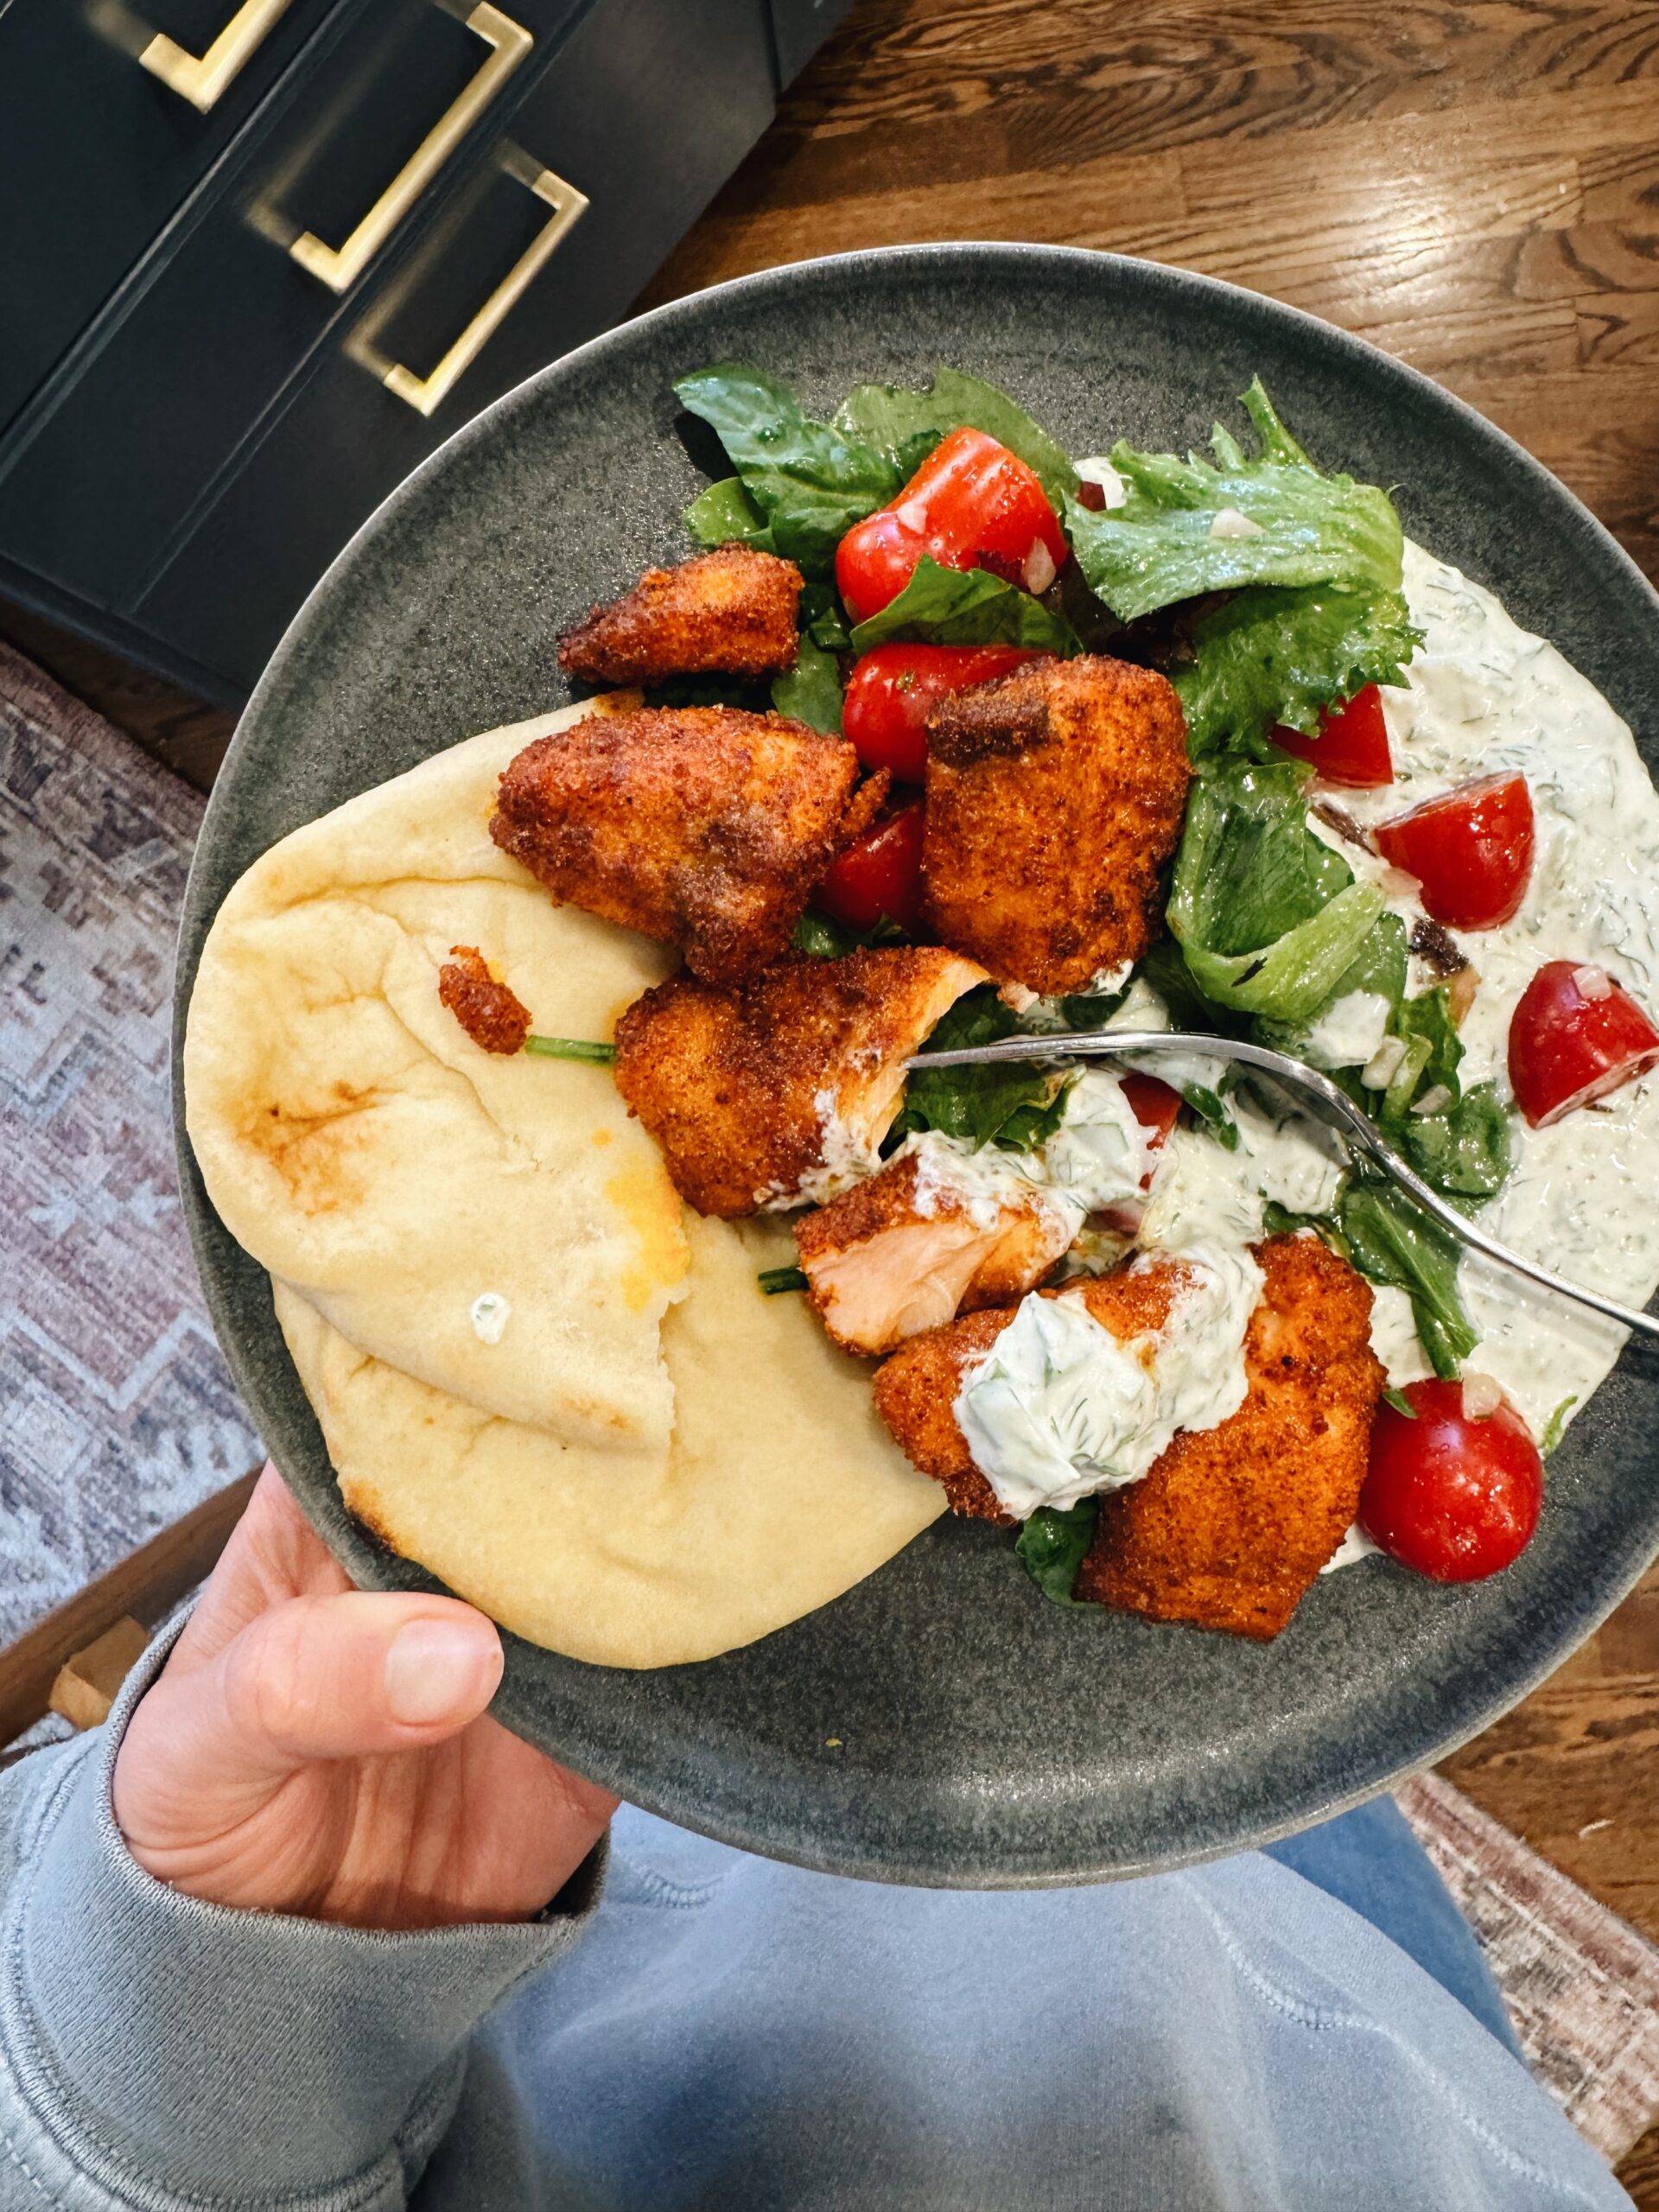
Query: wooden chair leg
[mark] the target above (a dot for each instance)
(76, 1641)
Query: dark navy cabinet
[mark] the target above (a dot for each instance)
(257, 257)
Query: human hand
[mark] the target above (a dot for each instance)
(312, 1749)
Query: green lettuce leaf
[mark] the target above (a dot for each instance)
(1267, 656)
(965, 607)
(1464, 1147)
(822, 937)
(1556, 1427)
(1392, 1241)
(1017, 1105)
(907, 425)
(1052, 1544)
(1379, 968)
(805, 481)
(1465, 1152)
(1268, 918)
(810, 691)
(1159, 546)
(724, 514)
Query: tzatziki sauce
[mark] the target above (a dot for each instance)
(1059, 1409)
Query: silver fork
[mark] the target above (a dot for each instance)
(1331, 1105)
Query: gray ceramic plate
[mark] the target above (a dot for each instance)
(981, 1735)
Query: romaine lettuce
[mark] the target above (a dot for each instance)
(1267, 655)
(1269, 919)
(1194, 526)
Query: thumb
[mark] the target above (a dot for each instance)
(313, 1678)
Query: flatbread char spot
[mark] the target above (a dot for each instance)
(1054, 797)
(729, 612)
(1230, 1525)
(790, 1079)
(702, 827)
(493, 1017)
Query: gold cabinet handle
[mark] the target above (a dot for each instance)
(201, 79)
(424, 393)
(338, 267)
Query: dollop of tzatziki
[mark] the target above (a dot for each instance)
(1350, 1031)
(1059, 1409)
(1102, 1154)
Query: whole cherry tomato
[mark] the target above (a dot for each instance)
(878, 877)
(1470, 850)
(1154, 1105)
(1575, 1034)
(1349, 747)
(1453, 1493)
(971, 505)
(893, 689)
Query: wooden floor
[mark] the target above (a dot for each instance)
(1475, 187)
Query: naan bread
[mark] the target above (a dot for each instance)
(778, 1491)
(359, 1145)
(655, 1462)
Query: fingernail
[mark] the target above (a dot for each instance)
(436, 1670)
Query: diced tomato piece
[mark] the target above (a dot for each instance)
(1349, 747)
(1470, 850)
(893, 689)
(878, 877)
(1575, 1034)
(971, 505)
(1155, 1106)
(1453, 1494)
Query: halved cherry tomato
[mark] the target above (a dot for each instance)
(1575, 1034)
(893, 689)
(971, 505)
(1453, 1494)
(1349, 747)
(1155, 1106)
(1471, 849)
(878, 877)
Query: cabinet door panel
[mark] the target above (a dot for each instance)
(95, 489)
(646, 110)
(96, 154)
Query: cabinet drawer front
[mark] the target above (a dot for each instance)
(97, 152)
(799, 29)
(95, 486)
(645, 113)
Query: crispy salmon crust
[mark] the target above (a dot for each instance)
(1054, 797)
(730, 612)
(1230, 1525)
(494, 1018)
(702, 827)
(744, 1087)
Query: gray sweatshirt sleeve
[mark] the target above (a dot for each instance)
(159, 2051)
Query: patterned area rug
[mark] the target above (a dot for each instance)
(117, 1414)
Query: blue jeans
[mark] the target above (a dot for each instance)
(1370, 1860)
